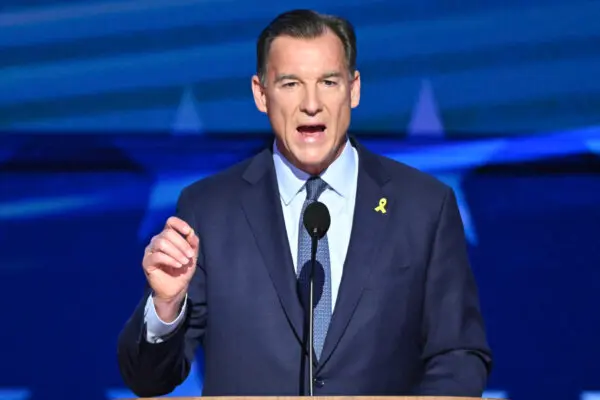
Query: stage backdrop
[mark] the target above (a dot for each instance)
(496, 66)
(108, 109)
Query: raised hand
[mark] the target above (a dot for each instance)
(169, 264)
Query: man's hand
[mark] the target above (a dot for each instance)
(169, 264)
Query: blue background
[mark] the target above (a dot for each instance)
(107, 109)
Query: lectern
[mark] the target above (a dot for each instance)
(324, 398)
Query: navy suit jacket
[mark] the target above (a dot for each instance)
(407, 319)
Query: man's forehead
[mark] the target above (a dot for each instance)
(288, 44)
(308, 55)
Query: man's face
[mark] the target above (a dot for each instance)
(308, 95)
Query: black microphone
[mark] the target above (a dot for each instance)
(316, 220)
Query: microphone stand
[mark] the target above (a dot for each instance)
(316, 221)
(311, 301)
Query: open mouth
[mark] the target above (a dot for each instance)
(310, 130)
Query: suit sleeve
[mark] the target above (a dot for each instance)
(455, 352)
(156, 368)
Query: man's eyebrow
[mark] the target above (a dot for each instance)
(285, 77)
(333, 74)
(327, 75)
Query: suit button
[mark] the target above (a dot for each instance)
(319, 382)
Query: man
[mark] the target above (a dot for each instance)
(397, 310)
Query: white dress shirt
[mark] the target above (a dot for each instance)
(339, 197)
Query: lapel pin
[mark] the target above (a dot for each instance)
(381, 207)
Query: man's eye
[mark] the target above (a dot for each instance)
(289, 84)
(329, 83)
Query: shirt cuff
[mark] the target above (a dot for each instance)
(157, 330)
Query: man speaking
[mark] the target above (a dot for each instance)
(396, 309)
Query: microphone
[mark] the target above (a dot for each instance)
(316, 220)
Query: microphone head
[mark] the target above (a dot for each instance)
(316, 219)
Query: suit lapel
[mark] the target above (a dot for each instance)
(261, 204)
(368, 231)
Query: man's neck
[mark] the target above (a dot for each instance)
(310, 169)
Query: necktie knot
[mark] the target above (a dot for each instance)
(314, 187)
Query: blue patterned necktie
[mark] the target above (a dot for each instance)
(322, 283)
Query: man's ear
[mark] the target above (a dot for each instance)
(355, 90)
(260, 98)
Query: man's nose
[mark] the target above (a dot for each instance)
(311, 103)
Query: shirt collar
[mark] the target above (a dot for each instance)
(338, 175)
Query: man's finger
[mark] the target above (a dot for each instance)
(165, 245)
(179, 241)
(178, 225)
(161, 260)
(193, 240)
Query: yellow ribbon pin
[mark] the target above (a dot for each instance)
(381, 207)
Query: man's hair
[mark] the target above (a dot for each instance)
(305, 24)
